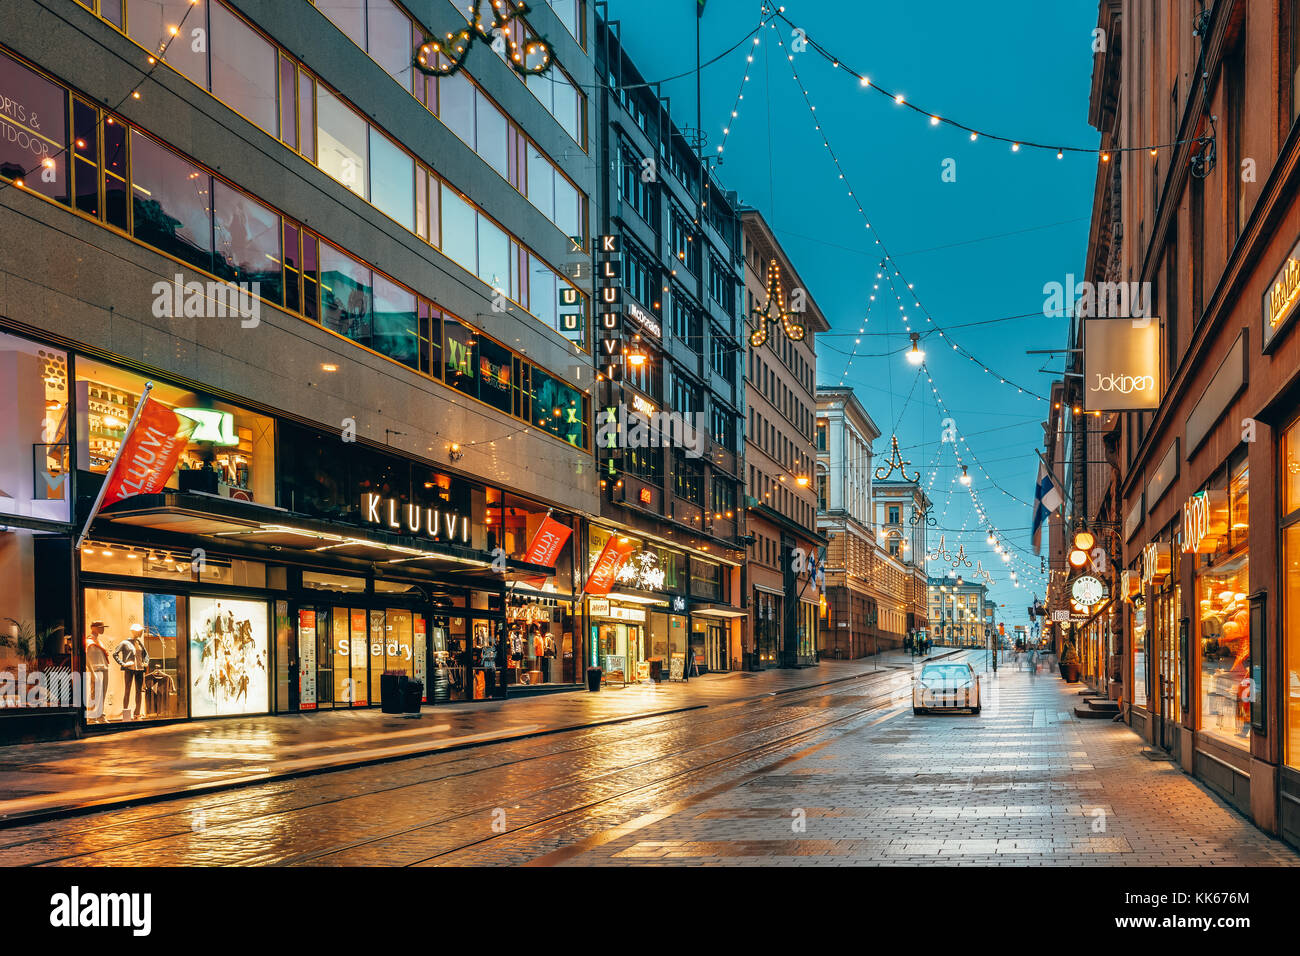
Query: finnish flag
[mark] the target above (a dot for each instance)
(1047, 498)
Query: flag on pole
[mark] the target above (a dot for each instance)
(1047, 498)
(146, 458)
(699, 7)
(545, 547)
(605, 570)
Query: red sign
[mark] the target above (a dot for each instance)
(547, 543)
(149, 453)
(611, 559)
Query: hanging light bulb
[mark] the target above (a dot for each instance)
(914, 355)
(965, 478)
(992, 540)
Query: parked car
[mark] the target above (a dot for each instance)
(946, 686)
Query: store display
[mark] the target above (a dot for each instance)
(228, 657)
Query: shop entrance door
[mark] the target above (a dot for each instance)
(715, 653)
(1167, 624)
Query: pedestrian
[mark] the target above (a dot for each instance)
(1033, 661)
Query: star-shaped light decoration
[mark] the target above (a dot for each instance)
(896, 461)
(763, 316)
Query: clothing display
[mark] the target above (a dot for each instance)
(133, 658)
(160, 693)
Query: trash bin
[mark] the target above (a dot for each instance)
(412, 691)
(657, 669)
(594, 675)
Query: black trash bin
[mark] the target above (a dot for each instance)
(412, 691)
(594, 675)
(657, 669)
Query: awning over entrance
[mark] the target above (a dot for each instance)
(245, 523)
(717, 610)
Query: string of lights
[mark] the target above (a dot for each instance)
(1017, 143)
(889, 268)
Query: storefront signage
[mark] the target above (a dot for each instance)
(1121, 364)
(1087, 590)
(211, 425)
(1133, 520)
(617, 612)
(644, 319)
(1129, 584)
(1282, 295)
(609, 296)
(1156, 562)
(547, 542)
(679, 605)
(430, 522)
(1205, 520)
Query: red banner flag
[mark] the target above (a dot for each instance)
(605, 571)
(547, 543)
(149, 453)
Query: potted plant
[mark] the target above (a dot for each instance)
(1070, 664)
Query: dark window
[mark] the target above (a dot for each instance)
(495, 374)
(170, 202)
(688, 477)
(634, 189)
(85, 132)
(247, 241)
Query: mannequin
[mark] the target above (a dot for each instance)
(97, 671)
(133, 658)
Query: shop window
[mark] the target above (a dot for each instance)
(34, 131)
(35, 641)
(1226, 690)
(1139, 629)
(345, 295)
(34, 459)
(392, 179)
(135, 652)
(170, 200)
(341, 142)
(706, 579)
(248, 237)
(243, 68)
(175, 27)
(228, 657)
(1291, 637)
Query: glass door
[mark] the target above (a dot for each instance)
(714, 645)
(1167, 609)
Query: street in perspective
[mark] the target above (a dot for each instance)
(607, 436)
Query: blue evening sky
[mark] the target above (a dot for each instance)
(976, 249)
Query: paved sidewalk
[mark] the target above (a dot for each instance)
(49, 779)
(1026, 783)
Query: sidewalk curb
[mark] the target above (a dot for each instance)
(203, 789)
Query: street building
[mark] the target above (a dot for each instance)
(352, 297)
(781, 501)
(901, 514)
(1187, 395)
(670, 390)
(961, 613)
(855, 558)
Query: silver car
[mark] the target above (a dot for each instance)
(946, 686)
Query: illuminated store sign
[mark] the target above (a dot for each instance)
(644, 319)
(1205, 521)
(432, 523)
(211, 425)
(1282, 295)
(1121, 364)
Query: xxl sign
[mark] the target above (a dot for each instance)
(389, 513)
(1121, 364)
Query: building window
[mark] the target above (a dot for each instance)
(821, 436)
(1139, 629)
(894, 514)
(821, 491)
(635, 189)
(687, 324)
(683, 242)
(688, 478)
(1222, 589)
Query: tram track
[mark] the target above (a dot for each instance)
(709, 716)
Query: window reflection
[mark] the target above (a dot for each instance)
(171, 201)
(345, 295)
(247, 241)
(243, 68)
(341, 142)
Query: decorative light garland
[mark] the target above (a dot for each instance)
(446, 57)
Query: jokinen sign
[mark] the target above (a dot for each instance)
(1121, 364)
